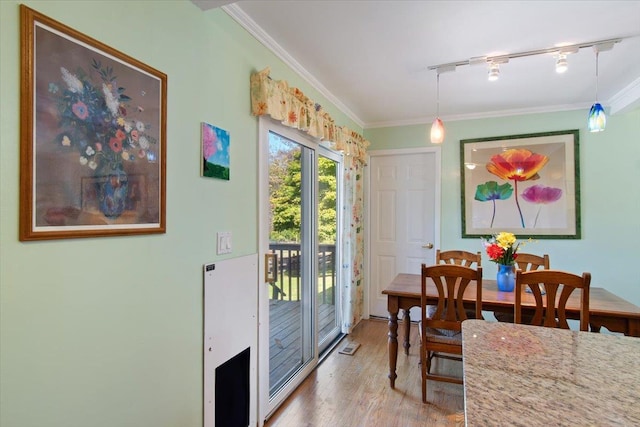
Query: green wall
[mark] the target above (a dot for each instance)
(609, 188)
(108, 332)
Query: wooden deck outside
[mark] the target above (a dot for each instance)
(284, 336)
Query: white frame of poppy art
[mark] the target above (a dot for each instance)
(544, 205)
(93, 136)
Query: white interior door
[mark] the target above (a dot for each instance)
(404, 217)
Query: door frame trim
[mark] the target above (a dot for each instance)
(367, 196)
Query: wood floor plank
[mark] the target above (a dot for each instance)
(353, 391)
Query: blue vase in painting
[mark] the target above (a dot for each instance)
(113, 192)
(506, 278)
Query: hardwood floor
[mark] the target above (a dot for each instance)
(353, 391)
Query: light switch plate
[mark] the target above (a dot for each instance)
(224, 242)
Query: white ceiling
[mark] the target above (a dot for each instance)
(371, 57)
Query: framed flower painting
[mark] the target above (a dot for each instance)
(528, 185)
(93, 136)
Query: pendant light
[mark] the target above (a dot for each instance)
(597, 119)
(437, 128)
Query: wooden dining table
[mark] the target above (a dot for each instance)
(605, 309)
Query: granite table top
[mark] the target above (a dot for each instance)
(520, 375)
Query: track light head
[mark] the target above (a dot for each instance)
(561, 63)
(494, 72)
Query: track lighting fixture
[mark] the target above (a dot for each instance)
(560, 52)
(597, 118)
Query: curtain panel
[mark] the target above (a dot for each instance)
(291, 107)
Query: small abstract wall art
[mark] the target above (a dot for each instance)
(215, 152)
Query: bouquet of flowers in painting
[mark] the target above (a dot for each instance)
(95, 119)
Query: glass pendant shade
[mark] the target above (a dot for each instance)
(437, 131)
(597, 119)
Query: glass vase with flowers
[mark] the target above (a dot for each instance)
(503, 250)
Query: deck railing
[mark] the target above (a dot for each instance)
(287, 288)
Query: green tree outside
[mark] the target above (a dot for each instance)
(285, 198)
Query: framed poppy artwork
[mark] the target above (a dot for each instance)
(93, 136)
(528, 185)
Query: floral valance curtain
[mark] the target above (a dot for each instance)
(291, 107)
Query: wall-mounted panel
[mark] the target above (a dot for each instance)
(230, 325)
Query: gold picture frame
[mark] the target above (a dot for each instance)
(93, 124)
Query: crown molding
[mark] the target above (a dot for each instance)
(238, 15)
(483, 115)
(627, 99)
(210, 4)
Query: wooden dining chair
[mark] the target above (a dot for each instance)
(525, 262)
(451, 282)
(464, 258)
(531, 262)
(457, 257)
(558, 286)
(454, 257)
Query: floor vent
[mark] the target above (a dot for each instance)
(349, 348)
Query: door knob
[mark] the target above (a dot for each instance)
(428, 246)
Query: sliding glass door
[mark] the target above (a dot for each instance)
(329, 251)
(299, 239)
(292, 239)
